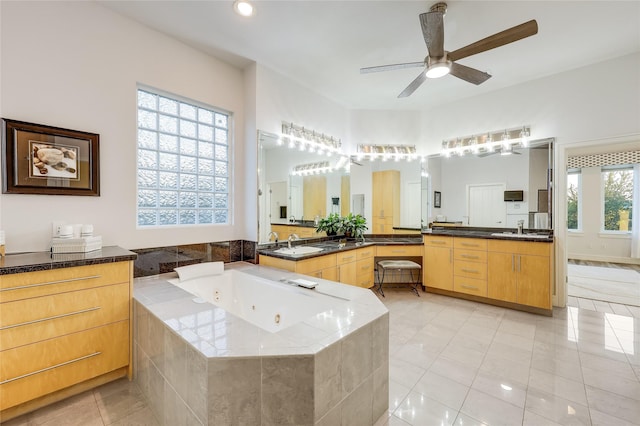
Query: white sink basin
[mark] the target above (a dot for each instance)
(298, 250)
(508, 235)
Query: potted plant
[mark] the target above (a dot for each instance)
(331, 224)
(354, 225)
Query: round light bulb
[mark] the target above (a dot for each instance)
(243, 8)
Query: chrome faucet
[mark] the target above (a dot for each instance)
(274, 234)
(520, 226)
(292, 237)
(292, 219)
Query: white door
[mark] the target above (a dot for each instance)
(277, 199)
(486, 205)
(410, 210)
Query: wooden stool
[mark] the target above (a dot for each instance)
(398, 265)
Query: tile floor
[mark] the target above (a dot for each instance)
(604, 282)
(463, 363)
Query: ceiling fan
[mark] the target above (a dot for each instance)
(440, 62)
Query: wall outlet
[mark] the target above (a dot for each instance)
(55, 228)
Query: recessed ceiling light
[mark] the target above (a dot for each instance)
(243, 8)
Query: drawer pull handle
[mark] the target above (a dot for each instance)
(398, 251)
(468, 256)
(62, 364)
(50, 318)
(52, 282)
(470, 245)
(365, 267)
(469, 287)
(347, 258)
(470, 271)
(438, 242)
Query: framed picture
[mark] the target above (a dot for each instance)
(437, 199)
(39, 159)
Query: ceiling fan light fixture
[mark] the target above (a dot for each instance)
(438, 69)
(243, 8)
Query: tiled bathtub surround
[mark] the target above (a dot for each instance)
(160, 260)
(197, 364)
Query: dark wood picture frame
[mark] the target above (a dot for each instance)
(39, 159)
(437, 199)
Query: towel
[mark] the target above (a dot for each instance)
(190, 272)
(541, 220)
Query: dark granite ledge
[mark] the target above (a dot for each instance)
(331, 245)
(529, 235)
(43, 261)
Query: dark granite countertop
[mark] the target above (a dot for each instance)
(301, 223)
(539, 236)
(42, 261)
(330, 246)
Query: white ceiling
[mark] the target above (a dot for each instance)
(323, 44)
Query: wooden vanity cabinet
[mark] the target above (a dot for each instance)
(364, 266)
(385, 201)
(438, 262)
(470, 266)
(62, 331)
(520, 272)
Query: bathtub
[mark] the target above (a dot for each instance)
(248, 347)
(268, 304)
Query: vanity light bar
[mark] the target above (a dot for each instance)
(386, 152)
(312, 169)
(308, 140)
(502, 141)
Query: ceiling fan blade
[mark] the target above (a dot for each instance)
(391, 67)
(413, 85)
(499, 39)
(433, 31)
(471, 75)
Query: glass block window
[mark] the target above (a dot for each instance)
(183, 162)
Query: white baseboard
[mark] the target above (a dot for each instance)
(610, 259)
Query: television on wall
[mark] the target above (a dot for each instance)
(514, 195)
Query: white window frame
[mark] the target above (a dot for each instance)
(229, 165)
(606, 232)
(577, 172)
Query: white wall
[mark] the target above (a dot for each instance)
(594, 102)
(76, 65)
(458, 172)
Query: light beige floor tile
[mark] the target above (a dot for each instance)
(418, 354)
(507, 390)
(397, 394)
(613, 404)
(491, 410)
(143, 417)
(442, 389)
(405, 373)
(625, 386)
(533, 419)
(506, 369)
(612, 366)
(601, 419)
(557, 386)
(557, 409)
(568, 369)
(465, 420)
(417, 409)
(454, 370)
(470, 357)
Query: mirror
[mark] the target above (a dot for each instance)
(283, 195)
(471, 189)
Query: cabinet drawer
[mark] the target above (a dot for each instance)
(330, 274)
(365, 282)
(42, 283)
(470, 269)
(316, 263)
(470, 286)
(27, 321)
(365, 253)
(364, 267)
(470, 243)
(31, 371)
(438, 241)
(397, 250)
(520, 247)
(346, 257)
(470, 255)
